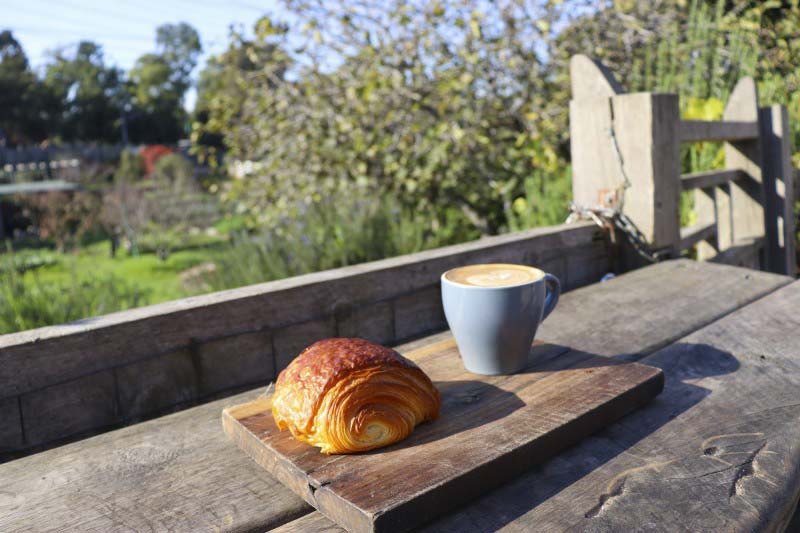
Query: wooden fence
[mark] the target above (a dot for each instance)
(53, 162)
(69, 381)
(744, 211)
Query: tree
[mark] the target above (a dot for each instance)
(158, 83)
(437, 104)
(90, 91)
(223, 85)
(179, 46)
(27, 108)
(157, 115)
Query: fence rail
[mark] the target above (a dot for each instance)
(112, 370)
(690, 131)
(747, 207)
(710, 178)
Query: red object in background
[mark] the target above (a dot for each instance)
(152, 153)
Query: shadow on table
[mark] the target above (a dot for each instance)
(680, 362)
(468, 404)
(461, 411)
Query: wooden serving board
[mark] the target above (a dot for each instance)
(490, 429)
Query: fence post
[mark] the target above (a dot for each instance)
(643, 127)
(746, 195)
(778, 178)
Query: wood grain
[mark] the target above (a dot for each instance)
(522, 419)
(747, 195)
(116, 481)
(719, 450)
(34, 359)
(645, 125)
(176, 473)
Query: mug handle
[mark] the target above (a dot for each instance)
(553, 288)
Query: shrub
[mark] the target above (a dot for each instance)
(174, 169)
(335, 232)
(64, 217)
(130, 169)
(151, 154)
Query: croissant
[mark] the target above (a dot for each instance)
(352, 395)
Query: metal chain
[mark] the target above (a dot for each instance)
(612, 219)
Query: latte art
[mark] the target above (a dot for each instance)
(494, 275)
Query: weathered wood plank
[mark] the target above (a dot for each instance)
(157, 475)
(167, 482)
(718, 450)
(699, 232)
(690, 131)
(747, 195)
(646, 309)
(779, 190)
(34, 359)
(743, 253)
(627, 318)
(176, 473)
(528, 417)
(645, 125)
(629, 137)
(710, 178)
(711, 207)
(590, 79)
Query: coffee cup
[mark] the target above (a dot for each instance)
(494, 310)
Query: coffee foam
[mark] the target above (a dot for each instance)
(493, 275)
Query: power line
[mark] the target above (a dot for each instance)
(83, 34)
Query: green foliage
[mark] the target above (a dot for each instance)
(91, 93)
(437, 104)
(27, 260)
(332, 233)
(27, 109)
(174, 169)
(26, 302)
(165, 241)
(130, 169)
(81, 98)
(544, 201)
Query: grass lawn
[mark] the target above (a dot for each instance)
(159, 279)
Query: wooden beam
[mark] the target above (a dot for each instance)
(590, 79)
(691, 131)
(747, 196)
(710, 178)
(694, 234)
(779, 190)
(743, 253)
(645, 127)
(294, 310)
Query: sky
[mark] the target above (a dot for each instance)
(126, 29)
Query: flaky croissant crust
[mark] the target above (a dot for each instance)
(352, 395)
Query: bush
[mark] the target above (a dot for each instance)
(174, 169)
(64, 217)
(130, 169)
(27, 302)
(339, 231)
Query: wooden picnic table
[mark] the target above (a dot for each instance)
(719, 449)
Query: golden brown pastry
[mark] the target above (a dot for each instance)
(352, 395)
